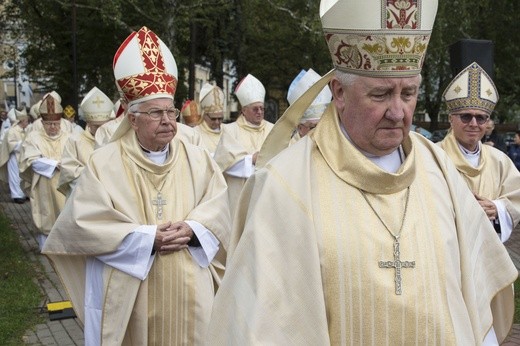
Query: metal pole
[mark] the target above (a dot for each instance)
(74, 59)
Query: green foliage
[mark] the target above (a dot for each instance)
(19, 294)
(272, 39)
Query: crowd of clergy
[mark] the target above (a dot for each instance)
(148, 210)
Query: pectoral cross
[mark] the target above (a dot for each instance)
(159, 202)
(397, 264)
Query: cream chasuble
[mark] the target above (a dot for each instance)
(172, 305)
(76, 153)
(13, 139)
(105, 131)
(210, 137)
(238, 140)
(46, 200)
(495, 178)
(303, 265)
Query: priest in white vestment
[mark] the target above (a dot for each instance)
(37, 125)
(97, 109)
(40, 163)
(363, 233)
(241, 140)
(300, 84)
(140, 245)
(490, 174)
(10, 155)
(212, 108)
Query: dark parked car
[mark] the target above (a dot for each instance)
(438, 135)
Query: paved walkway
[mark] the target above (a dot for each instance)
(68, 331)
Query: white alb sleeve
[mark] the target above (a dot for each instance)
(44, 166)
(134, 255)
(204, 254)
(243, 168)
(506, 222)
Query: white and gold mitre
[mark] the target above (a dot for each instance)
(144, 68)
(211, 99)
(96, 106)
(471, 88)
(379, 38)
(35, 110)
(300, 84)
(22, 114)
(250, 90)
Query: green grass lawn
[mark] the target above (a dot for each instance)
(19, 294)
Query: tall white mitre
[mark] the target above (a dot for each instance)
(250, 90)
(96, 106)
(301, 83)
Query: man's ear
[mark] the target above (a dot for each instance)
(338, 93)
(131, 118)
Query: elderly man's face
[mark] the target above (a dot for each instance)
(153, 134)
(52, 127)
(214, 120)
(307, 126)
(377, 112)
(23, 123)
(469, 126)
(254, 112)
(93, 126)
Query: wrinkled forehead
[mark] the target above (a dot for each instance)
(161, 102)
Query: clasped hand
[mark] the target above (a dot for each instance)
(489, 207)
(172, 236)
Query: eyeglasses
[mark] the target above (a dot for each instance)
(215, 118)
(257, 109)
(466, 118)
(310, 127)
(157, 114)
(51, 123)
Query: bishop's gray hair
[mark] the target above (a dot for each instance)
(347, 79)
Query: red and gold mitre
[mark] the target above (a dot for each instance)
(144, 68)
(378, 38)
(50, 107)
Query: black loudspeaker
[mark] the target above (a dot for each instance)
(464, 52)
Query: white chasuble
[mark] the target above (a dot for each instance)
(495, 177)
(238, 140)
(303, 264)
(46, 201)
(210, 138)
(76, 153)
(117, 193)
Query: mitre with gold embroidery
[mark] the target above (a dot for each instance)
(211, 99)
(471, 88)
(96, 106)
(144, 68)
(380, 38)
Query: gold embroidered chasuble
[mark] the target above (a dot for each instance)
(496, 177)
(46, 201)
(210, 138)
(76, 153)
(303, 259)
(172, 305)
(238, 140)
